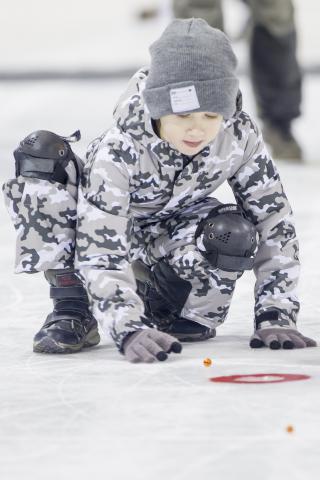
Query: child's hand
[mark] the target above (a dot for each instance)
(150, 345)
(279, 337)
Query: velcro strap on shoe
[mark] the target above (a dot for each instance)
(68, 279)
(65, 292)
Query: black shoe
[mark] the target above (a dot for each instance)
(282, 142)
(188, 331)
(71, 326)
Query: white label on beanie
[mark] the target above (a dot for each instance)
(184, 99)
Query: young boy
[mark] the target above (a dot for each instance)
(158, 255)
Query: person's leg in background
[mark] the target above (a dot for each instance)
(275, 73)
(209, 10)
(42, 203)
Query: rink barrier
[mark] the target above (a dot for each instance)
(91, 74)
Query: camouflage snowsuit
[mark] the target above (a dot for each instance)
(140, 198)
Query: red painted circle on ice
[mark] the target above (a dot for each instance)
(260, 378)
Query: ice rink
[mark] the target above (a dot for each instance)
(93, 414)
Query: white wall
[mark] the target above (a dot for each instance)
(106, 34)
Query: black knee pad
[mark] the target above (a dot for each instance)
(226, 239)
(45, 155)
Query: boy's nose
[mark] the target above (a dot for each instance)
(195, 130)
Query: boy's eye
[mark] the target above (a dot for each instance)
(212, 116)
(185, 115)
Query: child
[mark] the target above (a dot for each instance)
(158, 255)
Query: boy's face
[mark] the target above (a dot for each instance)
(190, 133)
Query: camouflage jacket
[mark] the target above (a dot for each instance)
(133, 181)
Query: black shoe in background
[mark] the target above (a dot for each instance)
(282, 142)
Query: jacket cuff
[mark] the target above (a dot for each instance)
(119, 337)
(274, 318)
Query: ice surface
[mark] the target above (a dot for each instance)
(94, 415)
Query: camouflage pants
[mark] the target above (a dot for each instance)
(212, 288)
(173, 239)
(44, 215)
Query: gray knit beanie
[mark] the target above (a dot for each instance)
(192, 69)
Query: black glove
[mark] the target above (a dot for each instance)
(150, 345)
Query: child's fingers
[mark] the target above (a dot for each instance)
(165, 341)
(256, 342)
(309, 341)
(143, 353)
(154, 349)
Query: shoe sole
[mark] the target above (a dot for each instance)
(195, 337)
(49, 345)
